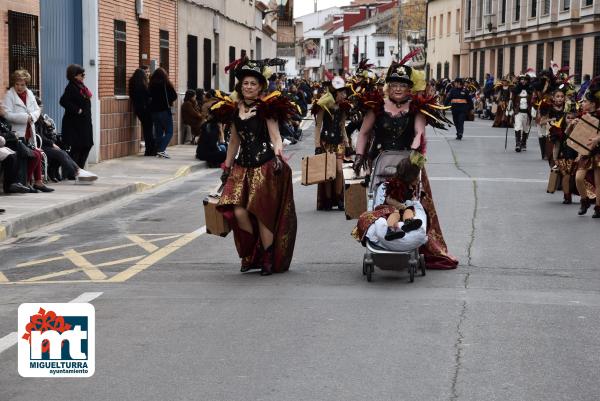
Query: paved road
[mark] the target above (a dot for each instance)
(518, 320)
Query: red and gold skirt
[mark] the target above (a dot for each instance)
(268, 197)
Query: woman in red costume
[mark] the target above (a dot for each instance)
(397, 122)
(257, 198)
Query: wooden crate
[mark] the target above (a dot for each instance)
(587, 128)
(215, 222)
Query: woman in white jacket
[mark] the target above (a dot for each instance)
(22, 111)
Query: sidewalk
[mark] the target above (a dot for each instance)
(117, 178)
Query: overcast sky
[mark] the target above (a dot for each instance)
(303, 7)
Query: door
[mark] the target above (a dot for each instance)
(61, 40)
(231, 75)
(192, 62)
(207, 49)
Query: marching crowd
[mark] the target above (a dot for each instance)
(548, 103)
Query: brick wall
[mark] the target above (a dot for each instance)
(119, 129)
(22, 6)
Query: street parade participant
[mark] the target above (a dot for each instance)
(503, 112)
(461, 102)
(588, 167)
(397, 122)
(257, 198)
(522, 107)
(562, 157)
(331, 111)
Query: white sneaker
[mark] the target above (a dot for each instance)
(163, 154)
(84, 175)
(286, 142)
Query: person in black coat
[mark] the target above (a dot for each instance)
(461, 103)
(77, 129)
(140, 100)
(163, 95)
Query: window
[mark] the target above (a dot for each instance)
(23, 50)
(511, 61)
(500, 65)
(566, 5)
(457, 20)
(474, 60)
(525, 58)
(380, 49)
(427, 74)
(441, 25)
(549, 52)
(439, 71)
(448, 24)
(479, 14)
(120, 58)
(446, 70)
(503, 12)
(434, 25)
(468, 17)
(481, 65)
(533, 10)
(578, 60)
(588, 3)
(546, 9)
(596, 60)
(192, 61)
(164, 49)
(539, 57)
(565, 53)
(517, 12)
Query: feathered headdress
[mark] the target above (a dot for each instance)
(259, 69)
(399, 72)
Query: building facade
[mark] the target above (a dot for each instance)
(509, 36)
(444, 40)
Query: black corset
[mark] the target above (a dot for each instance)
(255, 145)
(331, 132)
(394, 133)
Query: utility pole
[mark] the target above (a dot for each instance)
(399, 29)
(315, 6)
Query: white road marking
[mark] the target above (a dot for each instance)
(485, 179)
(11, 339)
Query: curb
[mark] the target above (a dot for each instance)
(36, 220)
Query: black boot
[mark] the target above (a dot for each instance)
(542, 140)
(596, 214)
(524, 138)
(517, 141)
(392, 235)
(567, 199)
(267, 267)
(585, 205)
(411, 225)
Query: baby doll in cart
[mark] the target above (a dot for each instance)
(398, 221)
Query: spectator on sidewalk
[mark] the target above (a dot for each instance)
(140, 100)
(191, 115)
(77, 129)
(8, 162)
(45, 128)
(162, 94)
(21, 110)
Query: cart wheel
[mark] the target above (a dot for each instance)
(369, 273)
(422, 264)
(364, 266)
(411, 271)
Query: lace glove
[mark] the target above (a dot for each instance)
(277, 165)
(359, 163)
(225, 174)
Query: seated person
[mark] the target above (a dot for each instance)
(191, 115)
(212, 147)
(45, 128)
(398, 222)
(8, 162)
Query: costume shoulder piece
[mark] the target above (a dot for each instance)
(224, 109)
(275, 106)
(431, 110)
(370, 100)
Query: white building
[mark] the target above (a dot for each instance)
(376, 39)
(227, 30)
